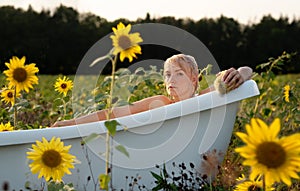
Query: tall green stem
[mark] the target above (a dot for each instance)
(15, 108)
(65, 108)
(109, 106)
(256, 105)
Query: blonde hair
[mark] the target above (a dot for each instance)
(188, 64)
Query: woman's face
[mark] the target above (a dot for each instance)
(179, 85)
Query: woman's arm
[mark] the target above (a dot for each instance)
(206, 90)
(246, 72)
(233, 78)
(136, 107)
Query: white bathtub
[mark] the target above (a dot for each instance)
(179, 132)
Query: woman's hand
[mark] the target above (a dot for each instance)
(232, 78)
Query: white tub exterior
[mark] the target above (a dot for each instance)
(179, 132)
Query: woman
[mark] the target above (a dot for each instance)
(181, 81)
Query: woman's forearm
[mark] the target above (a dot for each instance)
(92, 117)
(233, 78)
(245, 72)
(139, 106)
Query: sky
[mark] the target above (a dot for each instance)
(244, 11)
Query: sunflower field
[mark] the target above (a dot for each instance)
(44, 99)
(264, 153)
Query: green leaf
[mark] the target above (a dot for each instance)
(140, 70)
(99, 59)
(104, 180)
(123, 150)
(120, 103)
(27, 185)
(90, 138)
(173, 186)
(272, 75)
(54, 186)
(165, 171)
(263, 65)
(267, 112)
(156, 176)
(157, 188)
(111, 126)
(297, 121)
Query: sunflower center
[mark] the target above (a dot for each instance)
(63, 86)
(10, 95)
(20, 74)
(253, 188)
(270, 154)
(51, 158)
(124, 42)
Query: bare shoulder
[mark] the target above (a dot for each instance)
(158, 101)
(162, 98)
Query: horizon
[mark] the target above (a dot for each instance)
(231, 9)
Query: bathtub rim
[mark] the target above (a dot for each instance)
(203, 102)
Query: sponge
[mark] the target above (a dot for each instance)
(220, 85)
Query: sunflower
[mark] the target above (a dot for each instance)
(21, 76)
(8, 96)
(124, 43)
(286, 93)
(250, 185)
(51, 159)
(6, 127)
(277, 159)
(63, 85)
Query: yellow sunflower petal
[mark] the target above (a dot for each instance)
(120, 26)
(126, 29)
(285, 178)
(243, 136)
(269, 179)
(252, 131)
(275, 128)
(254, 173)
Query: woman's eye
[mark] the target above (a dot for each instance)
(167, 75)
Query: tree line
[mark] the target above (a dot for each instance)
(57, 41)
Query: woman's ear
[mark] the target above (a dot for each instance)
(195, 82)
(194, 79)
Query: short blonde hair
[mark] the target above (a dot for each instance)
(188, 64)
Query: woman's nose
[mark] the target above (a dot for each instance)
(172, 78)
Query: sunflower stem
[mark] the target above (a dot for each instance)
(65, 108)
(15, 108)
(108, 116)
(210, 183)
(256, 106)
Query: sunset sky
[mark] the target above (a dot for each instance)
(247, 11)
